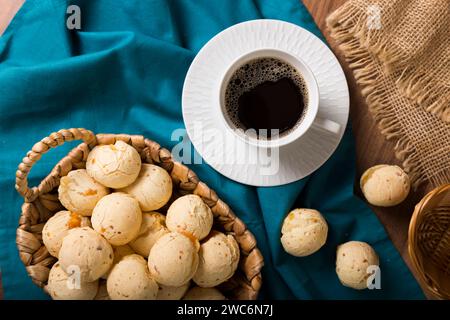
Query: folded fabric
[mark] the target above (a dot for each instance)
(123, 72)
(399, 51)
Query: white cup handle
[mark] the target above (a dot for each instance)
(327, 125)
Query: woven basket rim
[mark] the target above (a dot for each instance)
(244, 285)
(414, 250)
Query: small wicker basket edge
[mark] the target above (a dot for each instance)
(429, 241)
(41, 202)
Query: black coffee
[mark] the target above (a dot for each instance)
(266, 93)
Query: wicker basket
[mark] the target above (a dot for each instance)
(42, 202)
(429, 241)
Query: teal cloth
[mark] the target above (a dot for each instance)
(124, 72)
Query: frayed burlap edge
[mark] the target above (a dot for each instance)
(422, 89)
(419, 87)
(361, 63)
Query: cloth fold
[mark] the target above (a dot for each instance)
(124, 72)
(399, 51)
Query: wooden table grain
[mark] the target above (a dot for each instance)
(8, 9)
(371, 147)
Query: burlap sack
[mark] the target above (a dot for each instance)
(399, 51)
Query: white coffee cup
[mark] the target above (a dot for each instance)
(308, 120)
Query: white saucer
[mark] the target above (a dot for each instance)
(234, 160)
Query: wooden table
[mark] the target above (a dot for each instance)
(371, 147)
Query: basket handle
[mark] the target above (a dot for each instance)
(52, 141)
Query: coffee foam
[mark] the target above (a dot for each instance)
(254, 73)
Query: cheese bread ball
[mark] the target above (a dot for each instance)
(352, 260)
(219, 258)
(198, 293)
(79, 193)
(86, 250)
(117, 217)
(57, 227)
(385, 185)
(152, 189)
(102, 293)
(130, 280)
(114, 165)
(304, 231)
(190, 214)
(173, 259)
(119, 253)
(60, 287)
(153, 227)
(172, 293)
